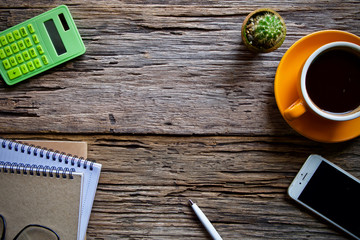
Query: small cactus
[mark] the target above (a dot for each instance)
(263, 30)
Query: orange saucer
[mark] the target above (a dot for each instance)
(288, 74)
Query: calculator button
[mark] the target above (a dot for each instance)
(10, 37)
(2, 54)
(14, 73)
(12, 61)
(31, 66)
(8, 51)
(3, 40)
(19, 58)
(24, 69)
(26, 55)
(28, 42)
(16, 34)
(6, 64)
(44, 59)
(36, 39)
(37, 63)
(40, 49)
(21, 45)
(32, 52)
(14, 47)
(23, 32)
(31, 28)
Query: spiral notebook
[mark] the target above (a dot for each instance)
(34, 196)
(27, 156)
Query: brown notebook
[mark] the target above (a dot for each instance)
(70, 147)
(51, 201)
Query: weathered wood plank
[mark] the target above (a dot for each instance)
(177, 70)
(240, 182)
(162, 68)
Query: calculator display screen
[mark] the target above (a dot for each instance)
(55, 37)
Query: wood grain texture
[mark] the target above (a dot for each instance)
(239, 182)
(162, 68)
(174, 107)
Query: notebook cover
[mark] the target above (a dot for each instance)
(74, 148)
(48, 201)
(91, 170)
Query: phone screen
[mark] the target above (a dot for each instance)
(334, 195)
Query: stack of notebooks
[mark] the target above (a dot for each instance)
(48, 188)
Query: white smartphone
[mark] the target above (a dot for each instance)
(330, 192)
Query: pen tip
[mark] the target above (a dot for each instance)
(191, 202)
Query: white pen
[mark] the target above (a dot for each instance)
(205, 221)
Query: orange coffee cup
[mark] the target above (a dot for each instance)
(330, 84)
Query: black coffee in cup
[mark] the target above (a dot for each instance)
(333, 81)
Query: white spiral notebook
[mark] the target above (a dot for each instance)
(17, 156)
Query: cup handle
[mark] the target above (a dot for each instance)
(295, 110)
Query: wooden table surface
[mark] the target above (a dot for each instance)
(174, 107)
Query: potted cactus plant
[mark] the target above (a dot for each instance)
(263, 30)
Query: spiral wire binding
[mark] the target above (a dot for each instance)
(43, 153)
(8, 167)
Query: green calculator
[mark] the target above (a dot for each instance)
(39, 44)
